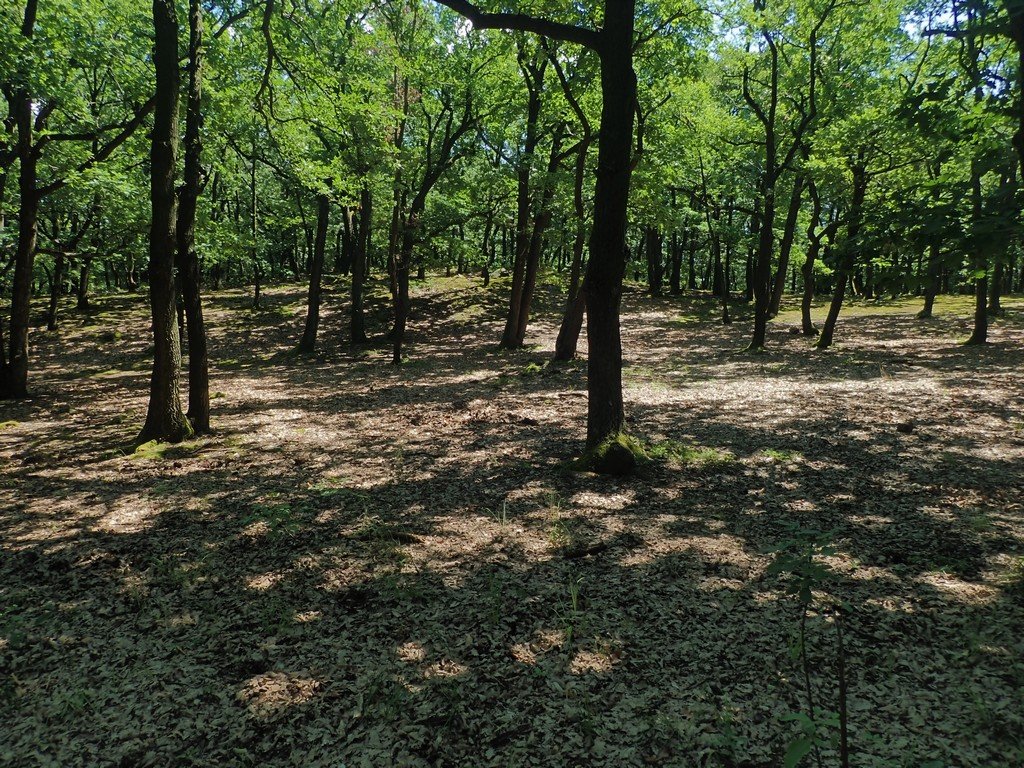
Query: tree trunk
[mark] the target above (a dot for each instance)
(575, 305)
(316, 271)
(14, 375)
(56, 288)
(655, 266)
(358, 322)
(606, 268)
(165, 419)
(524, 240)
(979, 263)
(786, 246)
(188, 260)
(849, 251)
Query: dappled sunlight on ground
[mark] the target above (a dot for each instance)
(393, 566)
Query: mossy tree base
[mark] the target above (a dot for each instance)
(620, 455)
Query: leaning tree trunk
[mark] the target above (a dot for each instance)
(849, 252)
(165, 419)
(786, 246)
(575, 305)
(188, 259)
(316, 271)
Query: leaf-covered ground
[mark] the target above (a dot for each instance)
(371, 566)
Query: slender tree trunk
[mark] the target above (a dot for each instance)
(56, 288)
(980, 265)
(848, 257)
(524, 240)
(575, 305)
(316, 271)
(165, 419)
(786, 246)
(540, 225)
(358, 320)
(188, 260)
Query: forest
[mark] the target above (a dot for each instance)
(512, 383)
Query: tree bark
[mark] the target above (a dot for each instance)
(848, 256)
(316, 271)
(357, 325)
(786, 245)
(14, 376)
(165, 419)
(188, 259)
(606, 268)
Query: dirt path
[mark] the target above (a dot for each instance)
(380, 567)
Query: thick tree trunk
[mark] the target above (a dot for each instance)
(165, 419)
(14, 375)
(605, 270)
(316, 271)
(188, 259)
(655, 264)
(82, 290)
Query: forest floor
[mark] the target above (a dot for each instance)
(380, 566)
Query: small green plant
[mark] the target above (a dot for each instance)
(798, 558)
(572, 611)
(533, 369)
(781, 456)
(279, 517)
(1014, 580)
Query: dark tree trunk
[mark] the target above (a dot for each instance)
(165, 419)
(605, 270)
(847, 257)
(82, 289)
(540, 225)
(188, 259)
(14, 375)
(786, 246)
(572, 318)
(979, 262)
(534, 77)
(316, 271)
(56, 288)
(358, 321)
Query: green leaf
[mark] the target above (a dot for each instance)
(798, 749)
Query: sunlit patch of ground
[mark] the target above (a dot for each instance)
(370, 565)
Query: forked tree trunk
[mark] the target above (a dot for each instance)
(165, 419)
